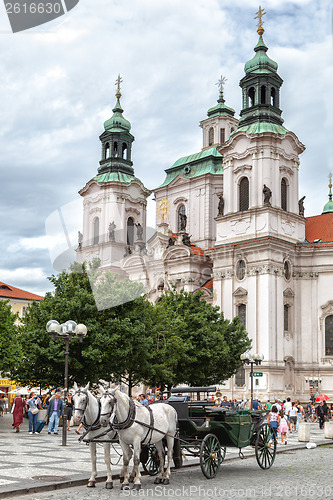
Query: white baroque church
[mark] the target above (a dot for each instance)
(230, 221)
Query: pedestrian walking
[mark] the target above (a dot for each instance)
(69, 410)
(322, 413)
(274, 419)
(33, 403)
(54, 412)
(292, 414)
(283, 428)
(300, 413)
(2, 405)
(18, 409)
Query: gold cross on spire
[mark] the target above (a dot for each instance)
(221, 83)
(261, 12)
(118, 82)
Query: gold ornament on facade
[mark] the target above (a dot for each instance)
(163, 209)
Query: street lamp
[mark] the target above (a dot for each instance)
(251, 359)
(66, 332)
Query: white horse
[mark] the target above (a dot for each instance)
(138, 425)
(88, 411)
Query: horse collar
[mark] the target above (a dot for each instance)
(129, 419)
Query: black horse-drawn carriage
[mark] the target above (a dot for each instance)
(206, 430)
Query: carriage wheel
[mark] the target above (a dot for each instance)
(151, 462)
(265, 446)
(210, 456)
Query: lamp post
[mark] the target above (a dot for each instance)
(66, 332)
(251, 359)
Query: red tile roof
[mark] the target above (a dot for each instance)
(11, 292)
(208, 285)
(319, 227)
(196, 250)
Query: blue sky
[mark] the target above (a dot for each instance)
(57, 89)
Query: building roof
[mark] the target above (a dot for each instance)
(208, 161)
(11, 292)
(319, 228)
(261, 63)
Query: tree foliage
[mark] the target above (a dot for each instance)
(10, 349)
(194, 343)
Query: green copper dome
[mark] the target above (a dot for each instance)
(117, 122)
(328, 208)
(220, 109)
(261, 63)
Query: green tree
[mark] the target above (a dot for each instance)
(10, 350)
(193, 343)
(73, 298)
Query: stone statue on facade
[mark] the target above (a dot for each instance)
(112, 227)
(301, 206)
(128, 251)
(186, 240)
(171, 242)
(80, 239)
(139, 231)
(220, 206)
(267, 195)
(183, 221)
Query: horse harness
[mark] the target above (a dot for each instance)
(95, 425)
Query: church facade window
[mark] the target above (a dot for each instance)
(273, 97)
(240, 270)
(124, 151)
(240, 377)
(180, 213)
(96, 231)
(107, 151)
(130, 231)
(252, 96)
(329, 335)
(222, 135)
(286, 318)
(284, 193)
(286, 270)
(263, 94)
(241, 313)
(244, 195)
(211, 136)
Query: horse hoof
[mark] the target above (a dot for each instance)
(125, 487)
(165, 481)
(158, 480)
(91, 484)
(137, 487)
(131, 479)
(109, 486)
(121, 479)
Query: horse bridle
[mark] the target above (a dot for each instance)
(78, 392)
(107, 395)
(129, 420)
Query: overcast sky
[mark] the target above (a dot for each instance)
(57, 89)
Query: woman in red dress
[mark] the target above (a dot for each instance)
(19, 407)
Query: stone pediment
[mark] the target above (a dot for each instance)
(178, 181)
(177, 252)
(288, 293)
(240, 292)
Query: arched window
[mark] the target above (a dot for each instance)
(241, 313)
(329, 335)
(252, 94)
(284, 194)
(130, 231)
(286, 270)
(107, 151)
(115, 149)
(240, 377)
(96, 231)
(211, 136)
(273, 97)
(240, 270)
(244, 194)
(263, 94)
(286, 318)
(124, 150)
(181, 218)
(222, 132)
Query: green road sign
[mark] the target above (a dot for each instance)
(257, 374)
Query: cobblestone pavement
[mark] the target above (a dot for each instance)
(31, 462)
(297, 475)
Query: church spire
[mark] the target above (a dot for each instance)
(261, 89)
(221, 109)
(328, 208)
(117, 140)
